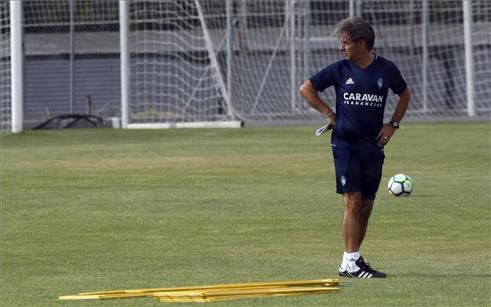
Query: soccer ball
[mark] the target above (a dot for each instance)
(400, 185)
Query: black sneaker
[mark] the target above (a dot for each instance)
(365, 271)
(343, 273)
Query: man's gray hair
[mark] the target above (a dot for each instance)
(357, 29)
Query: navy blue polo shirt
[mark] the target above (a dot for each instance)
(361, 95)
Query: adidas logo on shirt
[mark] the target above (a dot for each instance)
(350, 81)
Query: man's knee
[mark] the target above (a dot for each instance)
(353, 202)
(367, 206)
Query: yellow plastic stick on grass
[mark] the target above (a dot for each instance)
(223, 288)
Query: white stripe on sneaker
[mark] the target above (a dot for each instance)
(365, 275)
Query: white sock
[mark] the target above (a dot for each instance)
(344, 263)
(352, 257)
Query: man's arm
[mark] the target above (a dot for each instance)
(310, 94)
(387, 130)
(402, 105)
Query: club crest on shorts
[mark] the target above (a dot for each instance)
(343, 180)
(380, 83)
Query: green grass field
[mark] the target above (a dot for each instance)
(88, 210)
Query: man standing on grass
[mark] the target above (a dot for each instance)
(361, 82)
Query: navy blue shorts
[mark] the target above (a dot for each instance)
(358, 170)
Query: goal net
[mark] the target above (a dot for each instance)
(5, 101)
(177, 70)
(216, 60)
(264, 49)
(424, 38)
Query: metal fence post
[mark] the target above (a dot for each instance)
(17, 68)
(125, 60)
(469, 64)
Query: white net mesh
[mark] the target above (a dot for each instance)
(267, 60)
(175, 76)
(5, 100)
(276, 44)
(435, 70)
(481, 38)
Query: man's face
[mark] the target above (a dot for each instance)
(351, 50)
